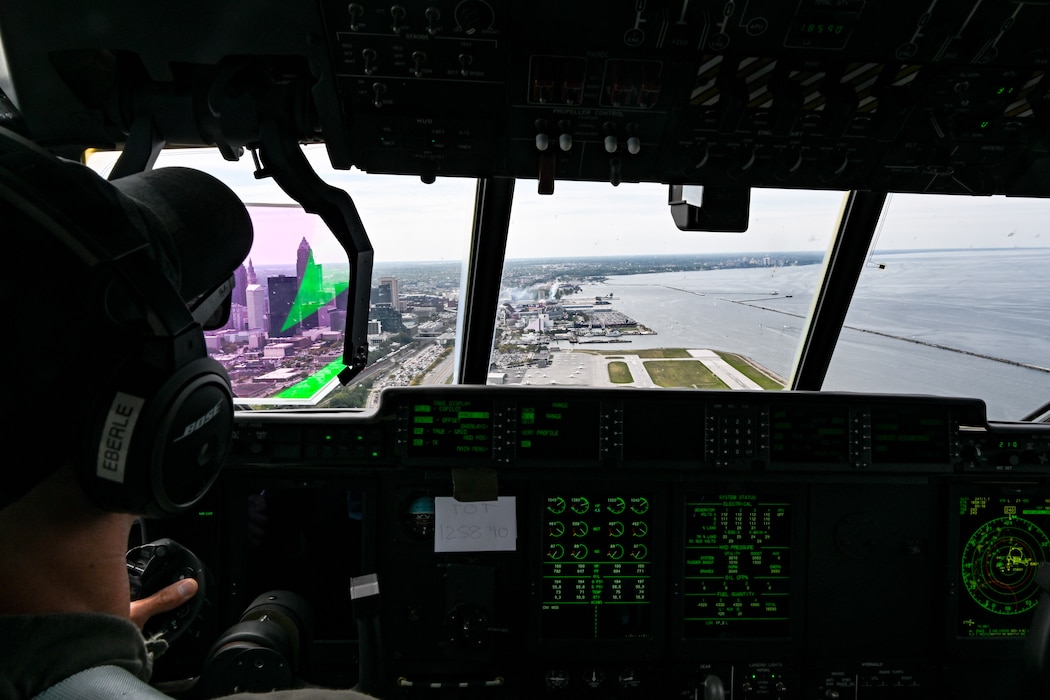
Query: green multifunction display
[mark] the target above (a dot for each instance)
(737, 566)
(597, 567)
(558, 429)
(1003, 539)
(450, 428)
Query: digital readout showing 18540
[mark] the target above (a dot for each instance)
(597, 567)
(451, 428)
(737, 566)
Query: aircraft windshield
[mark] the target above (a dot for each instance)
(949, 302)
(952, 302)
(600, 288)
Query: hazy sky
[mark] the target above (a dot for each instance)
(408, 220)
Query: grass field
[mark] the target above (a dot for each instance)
(620, 373)
(684, 374)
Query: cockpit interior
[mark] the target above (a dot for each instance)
(548, 500)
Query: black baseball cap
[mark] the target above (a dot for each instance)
(196, 227)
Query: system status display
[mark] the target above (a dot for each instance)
(1003, 539)
(450, 428)
(737, 566)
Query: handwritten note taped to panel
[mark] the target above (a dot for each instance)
(475, 526)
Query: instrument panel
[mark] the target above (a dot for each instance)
(632, 543)
(896, 96)
(821, 95)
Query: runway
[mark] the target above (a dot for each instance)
(572, 368)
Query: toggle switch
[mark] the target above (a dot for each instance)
(418, 59)
(397, 13)
(378, 89)
(370, 60)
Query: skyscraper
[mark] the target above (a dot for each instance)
(386, 293)
(302, 258)
(255, 297)
(309, 297)
(281, 291)
(240, 284)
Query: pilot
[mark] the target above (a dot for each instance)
(99, 380)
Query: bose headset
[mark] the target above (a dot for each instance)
(157, 426)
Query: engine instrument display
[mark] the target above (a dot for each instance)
(737, 566)
(597, 570)
(1003, 539)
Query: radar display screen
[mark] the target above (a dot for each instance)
(597, 567)
(558, 429)
(737, 566)
(447, 428)
(1003, 539)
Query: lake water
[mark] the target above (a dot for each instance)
(992, 303)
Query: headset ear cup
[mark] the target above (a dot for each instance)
(194, 437)
(157, 453)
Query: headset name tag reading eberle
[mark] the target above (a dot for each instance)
(116, 442)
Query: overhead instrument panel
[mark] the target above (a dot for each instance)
(898, 96)
(941, 97)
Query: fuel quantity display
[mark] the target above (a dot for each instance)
(1003, 539)
(597, 567)
(737, 566)
(450, 428)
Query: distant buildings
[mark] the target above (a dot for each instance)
(386, 294)
(284, 327)
(388, 317)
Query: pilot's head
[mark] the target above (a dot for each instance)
(108, 287)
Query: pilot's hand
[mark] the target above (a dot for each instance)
(167, 598)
